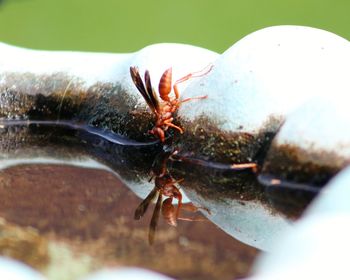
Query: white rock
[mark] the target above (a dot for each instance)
(91, 68)
(126, 274)
(268, 74)
(334, 198)
(314, 140)
(321, 126)
(318, 246)
(250, 222)
(15, 270)
(157, 58)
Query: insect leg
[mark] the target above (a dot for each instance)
(191, 98)
(179, 205)
(197, 74)
(157, 131)
(174, 126)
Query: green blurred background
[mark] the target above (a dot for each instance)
(125, 26)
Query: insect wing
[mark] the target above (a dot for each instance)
(152, 95)
(154, 220)
(136, 78)
(142, 208)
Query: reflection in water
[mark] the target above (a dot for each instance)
(83, 217)
(288, 197)
(164, 185)
(90, 212)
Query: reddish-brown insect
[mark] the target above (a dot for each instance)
(165, 185)
(164, 111)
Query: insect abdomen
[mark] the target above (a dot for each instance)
(165, 85)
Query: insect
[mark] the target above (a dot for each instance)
(164, 110)
(165, 185)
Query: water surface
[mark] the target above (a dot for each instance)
(81, 219)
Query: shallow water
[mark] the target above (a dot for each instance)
(89, 214)
(68, 196)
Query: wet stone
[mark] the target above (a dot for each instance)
(297, 165)
(311, 147)
(313, 144)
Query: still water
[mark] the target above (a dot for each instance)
(67, 221)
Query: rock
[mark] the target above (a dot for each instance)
(317, 247)
(255, 84)
(91, 88)
(14, 270)
(234, 201)
(313, 144)
(334, 198)
(252, 222)
(127, 273)
(251, 89)
(254, 89)
(310, 148)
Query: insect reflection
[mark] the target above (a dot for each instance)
(165, 185)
